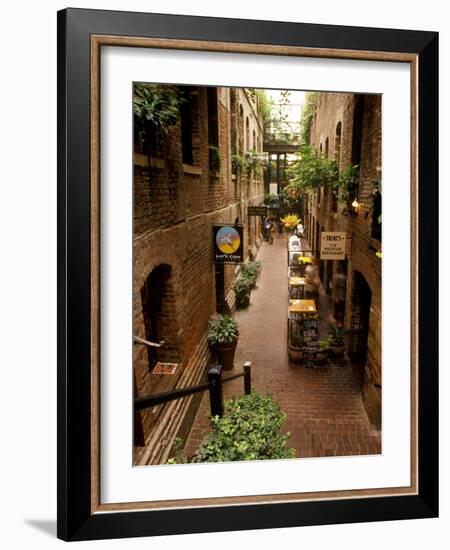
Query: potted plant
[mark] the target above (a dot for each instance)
(242, 288)
(223, 336)
(323, 349)
(337, 344)
(250, 271)
(295, 348)
(290, 222)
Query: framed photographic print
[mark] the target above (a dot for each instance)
(247, 274)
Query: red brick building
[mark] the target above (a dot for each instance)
(182, 186)
(347, 128)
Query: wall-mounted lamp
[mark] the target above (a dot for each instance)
(355, 204)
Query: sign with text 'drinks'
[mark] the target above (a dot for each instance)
(332, 245)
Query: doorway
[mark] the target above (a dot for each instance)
(159, 314)
(359, 324)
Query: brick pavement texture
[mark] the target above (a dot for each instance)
(324, 408)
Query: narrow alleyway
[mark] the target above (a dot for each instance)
(325, 413)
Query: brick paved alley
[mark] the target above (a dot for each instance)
(325, 412)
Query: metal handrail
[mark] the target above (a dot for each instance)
(214, 385)
(139, 340)
(152, 400)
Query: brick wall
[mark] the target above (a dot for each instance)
(333, 109)
(175, 206)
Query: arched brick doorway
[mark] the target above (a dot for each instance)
(156, 323)
(159, 315)
(359, 324)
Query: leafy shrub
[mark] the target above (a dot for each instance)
(242, 287)
(325, 343)
(338, 334)
(222, 330)
(178, 454)
(238, 164)
(296, 339)
(214, 158)
(309, 106)
(249, 430)
(310, 171)
(272, 201)
(250, 270)
(345, 186)
(156, 108)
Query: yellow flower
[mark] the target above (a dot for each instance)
(304, 260)
(290, 221)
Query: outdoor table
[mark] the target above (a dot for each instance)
(302, 306)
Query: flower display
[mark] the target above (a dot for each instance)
(290, 221)
(304, 260)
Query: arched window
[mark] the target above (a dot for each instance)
(234, 122)
(247, 134)
(337, 158)
(241, 129)
(254, 141)
(326, 148)
(337, 144)
(357, 130)
(213, 122)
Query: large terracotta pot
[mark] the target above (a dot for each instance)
(322, 357)
(337, 350)
(295, 354)
(225, 354)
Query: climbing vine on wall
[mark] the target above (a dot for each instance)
(156, 109)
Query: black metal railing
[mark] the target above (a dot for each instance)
(214, 385)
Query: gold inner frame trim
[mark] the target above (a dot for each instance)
(97, 41)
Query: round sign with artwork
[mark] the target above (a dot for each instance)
(228, 240)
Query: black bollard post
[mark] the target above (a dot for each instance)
(248, 377)
(216, 390)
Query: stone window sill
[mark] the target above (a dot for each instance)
(193, 170)
(144, 160)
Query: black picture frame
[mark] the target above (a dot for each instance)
(76, 520)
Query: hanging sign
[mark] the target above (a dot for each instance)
(257, 211)
(332, 245)
(228, 243)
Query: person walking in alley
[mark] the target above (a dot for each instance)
(267, 228)
(312, 282)
(280, 228)
(338, 291)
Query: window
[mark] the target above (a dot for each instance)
(213, 130)
(241, 130)
(337, 158)
(376, 217)
(247, 134)
(186, 125)
(337, 144)
(358, 115)
(213, 123)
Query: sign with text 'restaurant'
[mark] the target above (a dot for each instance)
(332, 245)
(228, 243)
